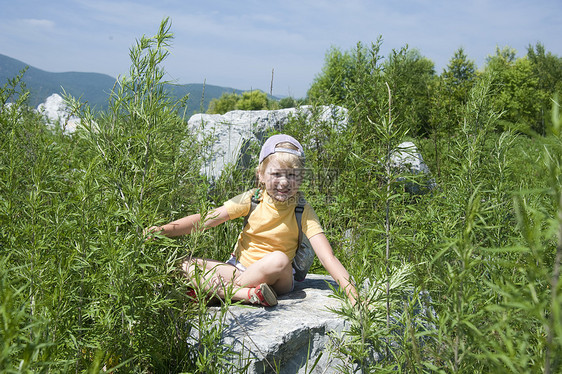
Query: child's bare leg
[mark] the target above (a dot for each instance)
(215, 277)
(274, 269)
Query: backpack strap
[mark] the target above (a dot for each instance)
(254, 203)
(298, 214)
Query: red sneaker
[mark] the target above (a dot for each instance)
(264, 295)
(192, 295)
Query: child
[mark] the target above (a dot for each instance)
(260, 267)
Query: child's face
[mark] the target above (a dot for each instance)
(280, 183)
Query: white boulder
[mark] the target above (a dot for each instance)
(231, 132)
(407, 159)
(304, 329)
(292, 335)
(56, 112)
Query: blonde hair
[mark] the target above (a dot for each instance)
(285, 160)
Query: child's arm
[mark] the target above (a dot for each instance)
(325, 254)
(186, 225)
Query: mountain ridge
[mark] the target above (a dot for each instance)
(95, 88)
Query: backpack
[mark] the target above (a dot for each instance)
(304, 256)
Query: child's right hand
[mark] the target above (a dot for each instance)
(149, 233)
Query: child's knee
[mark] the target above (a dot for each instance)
(190, 266)
(279, 261)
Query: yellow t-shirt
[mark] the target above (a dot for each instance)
(272, 226)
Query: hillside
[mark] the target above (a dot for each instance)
(94, 88)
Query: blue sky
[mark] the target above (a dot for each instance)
(238, 43)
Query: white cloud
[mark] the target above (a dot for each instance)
(38, 23)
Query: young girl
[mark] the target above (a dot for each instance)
(260, 267)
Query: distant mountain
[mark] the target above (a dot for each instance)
(91, 87)
(94, 88)
(200, 95)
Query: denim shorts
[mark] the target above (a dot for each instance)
(237, 264)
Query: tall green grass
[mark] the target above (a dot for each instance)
(484, 244)
(81, 288)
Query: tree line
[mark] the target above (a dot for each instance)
(428, 103)
(522, 88)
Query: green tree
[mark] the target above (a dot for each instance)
(249, 100)
(287, 102)
(460, 74)
(458, 79)
(450, 95)
(225, 103)
(253, 100)
(410, 76)
(332, 84)
(548, 69)
(517, 91)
